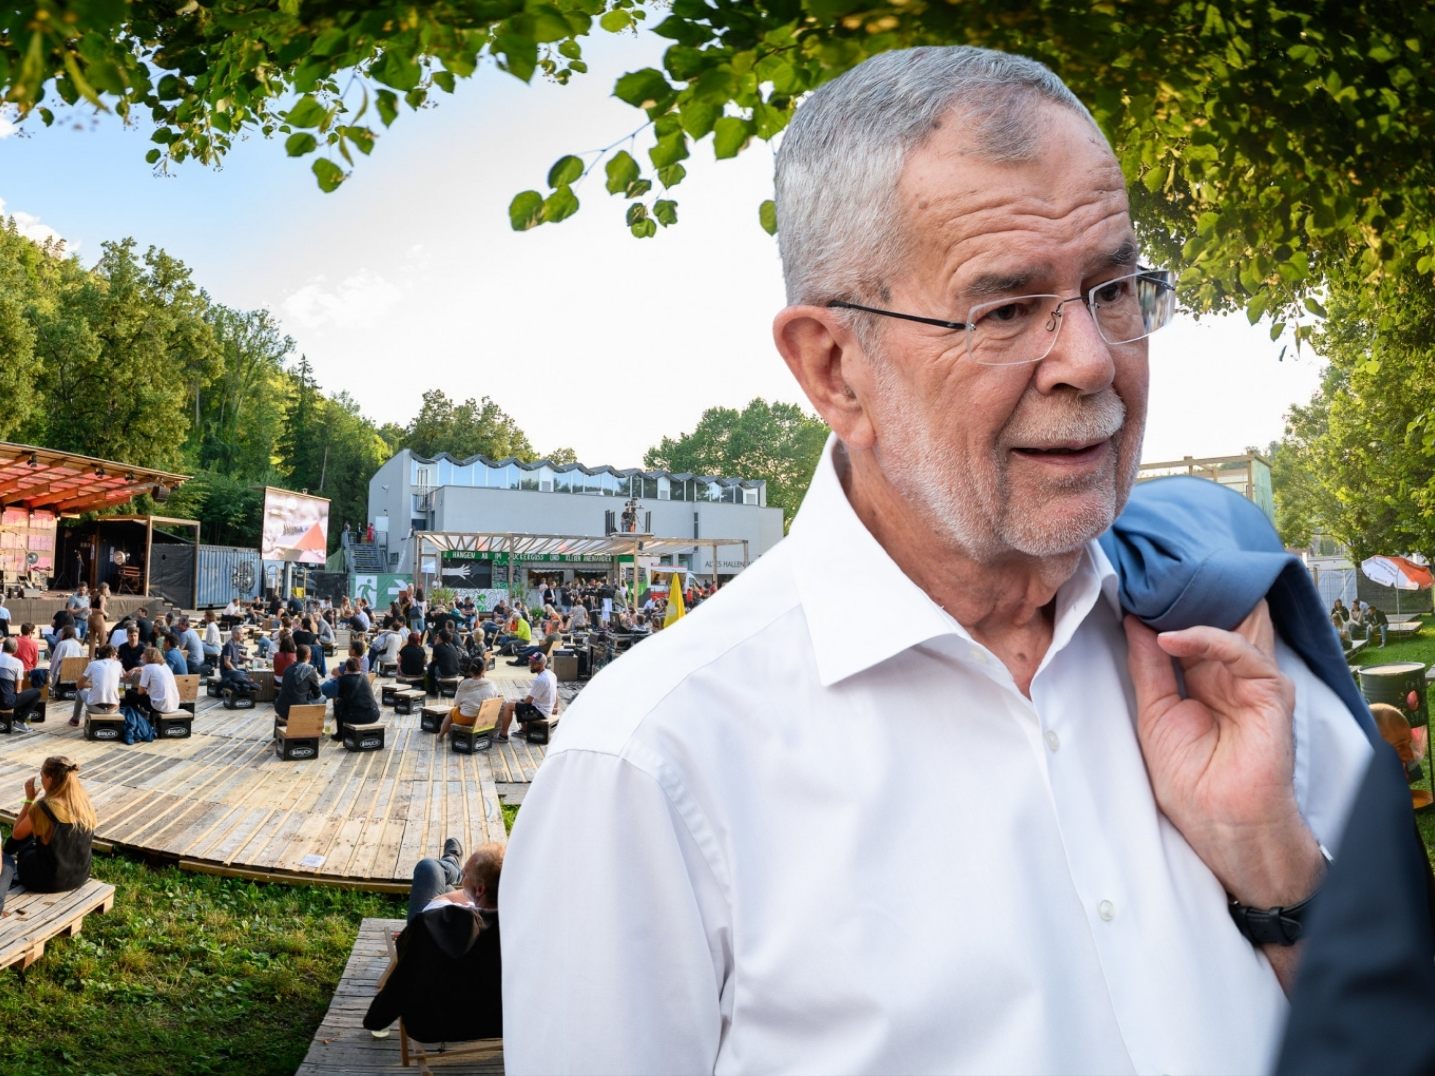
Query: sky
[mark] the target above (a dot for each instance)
(409, 277)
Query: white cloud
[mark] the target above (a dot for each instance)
(7, 126)
(31, 227)
(357, 301)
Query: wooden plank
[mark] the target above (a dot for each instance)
(33, 919)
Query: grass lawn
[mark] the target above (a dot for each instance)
(188, 973)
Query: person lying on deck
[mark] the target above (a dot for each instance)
(447, 982)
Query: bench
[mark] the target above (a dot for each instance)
(1410, 628)
(67, 680)
(298, 737)
(32, 919)
(369, 737)
(103, 724)
(540, 730)
(431, 717)
(388, 668)
(406, 700)
(386, 693)
(448, 686)
(466, 739)
(188, 692)
(173, 724)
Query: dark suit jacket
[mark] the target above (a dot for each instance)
(448, 985)
(355, 703)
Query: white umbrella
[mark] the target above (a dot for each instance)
(1398, 573)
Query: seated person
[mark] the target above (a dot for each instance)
(1342, 629)
(447, 982)
(445, 662)
(472, 691)
(231, 663)
(577, 619)
(522, 655)
(67, 646)
(358, 650)
(99, 686)
(14, 695)
(120, 632)
(286, 655)
(520, 634)
(354, 702)
(1377, 621)
(540, 703)
(386, 645)
(413, 658)
(300, 685)
(155, 691)
(49, 849)
(28, 651)
(174, 656)
(61, 620)
(212, 639)
(131, 651)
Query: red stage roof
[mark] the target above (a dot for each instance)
(39, 478)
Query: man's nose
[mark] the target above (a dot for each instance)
(1080, 358)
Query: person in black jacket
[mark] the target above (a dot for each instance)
(447, 983)
(299, 686)
(445, 661)
(354, 704)
(413, 658)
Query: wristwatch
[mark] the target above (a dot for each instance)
(1275, 926)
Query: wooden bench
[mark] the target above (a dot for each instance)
(466, 739)
(103, 724)
(299, 736)
(406, 700)
(369, 737)
(541, 729)
(67, 680)
(431, 717)
(188, 692)
(1409, 629)
(32, 919)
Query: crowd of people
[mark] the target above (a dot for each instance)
(1361, 621)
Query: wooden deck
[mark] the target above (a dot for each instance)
(32, 919)
(222, 802)
(342, 1045)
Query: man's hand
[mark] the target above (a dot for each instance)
(1221, 760)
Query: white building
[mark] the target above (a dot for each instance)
(411, 493)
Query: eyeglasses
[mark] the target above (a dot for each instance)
(1023, 329)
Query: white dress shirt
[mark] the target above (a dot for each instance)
(766, 842)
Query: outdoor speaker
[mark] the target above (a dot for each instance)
(160, 493)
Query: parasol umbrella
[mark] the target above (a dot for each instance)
(1397, 572)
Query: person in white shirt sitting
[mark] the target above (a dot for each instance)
(540, 703)
(68, 646)
(99, 683)
(473, 690)
(155, 690)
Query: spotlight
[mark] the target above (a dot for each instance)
(129, 476)
(34, 460)
(100, 472)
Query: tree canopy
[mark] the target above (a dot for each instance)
(1266, 146)
(777, 442)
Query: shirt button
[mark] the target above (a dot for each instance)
(1053, 741)
(1106, 910)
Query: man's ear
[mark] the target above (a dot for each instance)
(829, 363)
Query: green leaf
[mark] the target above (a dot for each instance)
(329, 174)
(730, 134)
(307, 113)
(397, 70)
(666, 211)
(698, 117)
(1315, 308)
(622, 172)
(646, 89)
(154, 155)
(444, 80)
(387, 102)
(300, 143)
(560, 205)
(669, 150)
(1276, 330)
(767, 216)
(616, 20)
(525, 211)
(645, 229)
(672, 175)
(636, 212)
(565, 170)
(548, 24)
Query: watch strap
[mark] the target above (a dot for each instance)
(1275, 926)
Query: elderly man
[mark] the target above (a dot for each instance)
(994, 838)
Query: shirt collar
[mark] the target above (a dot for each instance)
(838, 565)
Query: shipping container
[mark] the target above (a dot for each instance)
(228, 571)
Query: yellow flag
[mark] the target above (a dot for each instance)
(676, 610)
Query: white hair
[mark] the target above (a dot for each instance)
(839, 219)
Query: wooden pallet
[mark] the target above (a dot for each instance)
(343, 1045)
(32, 919)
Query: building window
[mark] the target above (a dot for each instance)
(749, 496)
(424, 476)
(665, 488)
